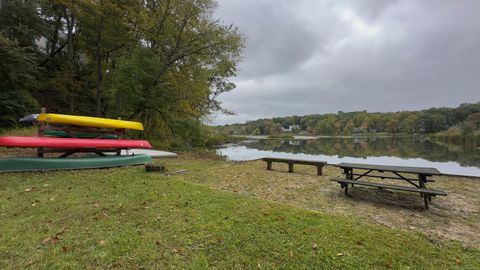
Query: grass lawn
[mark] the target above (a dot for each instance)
(452, 217)
(127, 218)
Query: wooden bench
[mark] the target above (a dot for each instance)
(290, 162)
(427, 193)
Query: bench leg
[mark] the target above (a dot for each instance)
(425, 199)
(319, 170)
(346, 189)
(269, 165)
(290, 167)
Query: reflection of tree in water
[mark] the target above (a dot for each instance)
(404, 147)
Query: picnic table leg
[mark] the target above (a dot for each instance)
(422, 179)
(319, 169)
(269, 165)
(425, 199)
(346, 189)
(347, 173)
(350, 174)
(290, 167)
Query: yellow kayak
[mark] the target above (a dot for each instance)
(87, 121)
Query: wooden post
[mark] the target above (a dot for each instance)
(425, 199)
(422, 179)
(41, 133)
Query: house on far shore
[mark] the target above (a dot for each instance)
(291, 128)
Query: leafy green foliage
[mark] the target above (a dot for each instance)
(160, 62)
(426, 121)
(17, 77)
(465, 133)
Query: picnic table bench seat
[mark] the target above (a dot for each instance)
(290, 162)
(428, 193)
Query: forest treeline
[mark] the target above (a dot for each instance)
(465, 118)
(163, 63)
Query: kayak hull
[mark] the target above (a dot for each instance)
(75, 134)
(26, 164)
(152, 153)
(87, 121)
(66, 143)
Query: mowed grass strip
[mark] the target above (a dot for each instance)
(127, 218)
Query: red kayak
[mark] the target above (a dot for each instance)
(48, 142)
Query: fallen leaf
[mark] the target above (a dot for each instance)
(340, 254)
(315, 246)
(28, 189)
(102, 242)
(458, 261)
(51, 240)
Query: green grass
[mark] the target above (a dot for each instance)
(24, 131)
(126, 218)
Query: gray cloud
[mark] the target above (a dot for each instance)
(312, 56)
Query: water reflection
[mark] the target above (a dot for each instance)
(411, 151)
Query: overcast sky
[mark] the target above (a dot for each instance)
(320, 56)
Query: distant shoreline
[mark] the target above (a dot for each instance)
(314, 137)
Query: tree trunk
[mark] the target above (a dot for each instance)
(70, 53)
(98, 58)
(54, 40)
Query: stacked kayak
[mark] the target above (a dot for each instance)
(71, 134)
(25, 164)
(87, 121)
(71, 143)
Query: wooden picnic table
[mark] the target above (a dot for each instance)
(418, 183)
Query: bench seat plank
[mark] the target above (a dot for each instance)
(386, 186)
(295, 161)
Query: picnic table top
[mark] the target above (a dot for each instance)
(404, 169)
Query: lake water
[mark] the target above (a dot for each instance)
(400, 151)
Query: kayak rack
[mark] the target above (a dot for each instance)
(70, 130)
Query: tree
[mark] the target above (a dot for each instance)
(20, 26)
(180, 66)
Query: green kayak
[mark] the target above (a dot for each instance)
(81, 135)
(25, 164)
